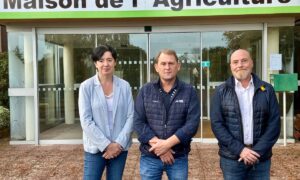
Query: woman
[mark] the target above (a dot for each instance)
(106, 116)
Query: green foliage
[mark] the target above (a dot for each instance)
(4, 117)
(4, 80)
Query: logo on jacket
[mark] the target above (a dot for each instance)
(155, 101)
(179, 101)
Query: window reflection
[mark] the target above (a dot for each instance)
(209, 51)
(283, 43)
(64, 62)
(21, 75)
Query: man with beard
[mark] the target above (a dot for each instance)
(246, 121)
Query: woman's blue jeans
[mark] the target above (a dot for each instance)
(94, 165)
(235, 170)
(152, 168)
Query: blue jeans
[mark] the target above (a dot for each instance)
(152, 168)
(234, 170)
(94, 165)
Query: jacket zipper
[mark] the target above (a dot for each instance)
(240, 116)
(166, 115)
(165, 121)
(255, 92)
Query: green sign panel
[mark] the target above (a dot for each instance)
(73, 9)
(205, 63)
(285, 82)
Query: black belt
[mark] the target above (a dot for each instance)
(248, 145)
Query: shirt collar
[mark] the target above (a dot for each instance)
(174, 86)
(239, 84)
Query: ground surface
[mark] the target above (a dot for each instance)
(66, 162)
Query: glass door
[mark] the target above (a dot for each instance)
(215, 55)
(205, 58)
(188, 49)
(64, 62)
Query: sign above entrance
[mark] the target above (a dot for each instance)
(74, 9)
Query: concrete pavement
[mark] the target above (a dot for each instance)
(66, 162)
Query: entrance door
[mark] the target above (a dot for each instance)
(204, 58)
(215, 55)
(64, 62)
(188, 49)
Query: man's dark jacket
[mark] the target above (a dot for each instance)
(150, 116)
(226, 119)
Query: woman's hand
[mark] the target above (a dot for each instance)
(112, 150)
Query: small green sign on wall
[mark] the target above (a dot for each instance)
(286, 82)
(205, 63)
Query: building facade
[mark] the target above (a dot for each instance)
(49, 45)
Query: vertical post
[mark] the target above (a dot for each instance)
(201, 100)
(69, 84)
(29, 81)
(148, 60)
(208, 97)
(50, 80)
(273, 47)
(284, 118)
(265, 53)
(201, 90)
(142, 69)
(35, 85)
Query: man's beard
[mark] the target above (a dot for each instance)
(242, 74)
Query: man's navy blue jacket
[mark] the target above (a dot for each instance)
(151, 119)
(226, 119)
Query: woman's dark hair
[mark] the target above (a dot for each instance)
(100, 50)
